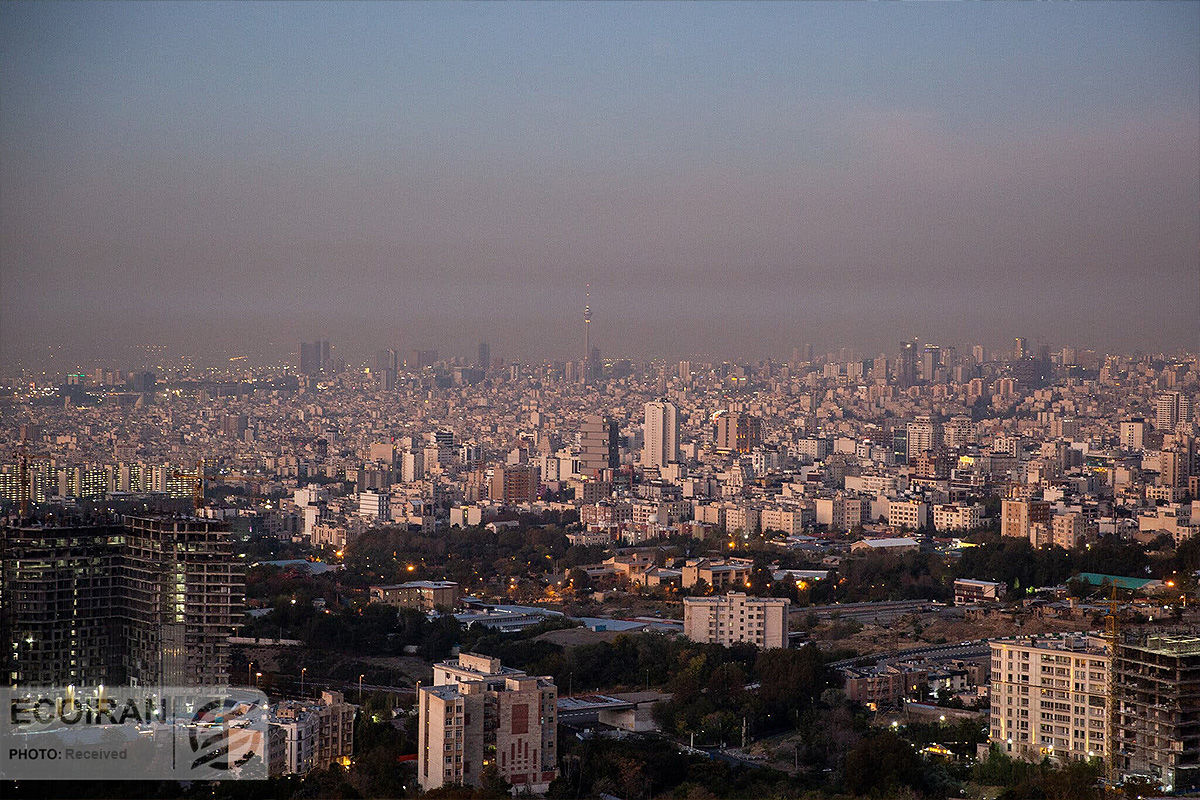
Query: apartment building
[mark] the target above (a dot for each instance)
(841, 512)
(1018, 516)
(734, 618)
(313, 734)
(957, 516)
(907, 514)
(884, 686)
(1050, 696)
(1068, 531)
(480, 714)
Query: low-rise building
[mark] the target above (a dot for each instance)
(718, 573)
(968, 591)
(423, 595)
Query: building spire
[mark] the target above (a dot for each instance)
(587, 332)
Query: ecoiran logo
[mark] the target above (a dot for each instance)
(102, 732)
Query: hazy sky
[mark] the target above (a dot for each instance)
(731, 178)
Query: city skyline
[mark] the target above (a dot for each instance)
(205, 176)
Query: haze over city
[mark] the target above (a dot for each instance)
(730, 179)
(624, 401)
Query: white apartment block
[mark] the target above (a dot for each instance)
(1049, 695)
(811, 449)
(478, 714)
(788, 520)
(957, 517)
(910, 514)
(374, 505)
(734, 618)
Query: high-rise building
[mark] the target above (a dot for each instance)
(924, 435)
(59, 621)
(1133, 433)
(931, 362)
(1157, 684)
(484, 357)
(184, 593)
(420, 359)
(660, 435)
(906, 365)
(148, 601)
(1020, 348)
(598, 445)
(735, 432)
(515, 483)
(386, 360)
(315, 358)
(734, 618)
(1050, 696)
(1170, 409)
(1018, 518)
(142, 382)
(235, 425)
(412, 465)
(480, 714)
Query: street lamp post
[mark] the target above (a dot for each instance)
(257, 678)
(302, 671)
(249, 673)
(360, 679)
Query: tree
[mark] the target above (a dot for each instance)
(883, 763)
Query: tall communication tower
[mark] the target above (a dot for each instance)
(587, 333)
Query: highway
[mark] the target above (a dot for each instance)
(944, 652)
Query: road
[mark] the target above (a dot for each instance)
(973, 649)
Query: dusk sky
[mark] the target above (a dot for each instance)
(732, 179)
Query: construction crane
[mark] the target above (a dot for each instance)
(197, 478)
(1112, 629)
(23, 480)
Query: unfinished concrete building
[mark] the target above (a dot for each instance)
(139, 600)
(1157, 683)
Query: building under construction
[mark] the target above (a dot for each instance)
(139, 600)
(1157, 687)
(59, 619)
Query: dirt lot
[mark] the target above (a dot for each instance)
(915, 630)
(573, 637)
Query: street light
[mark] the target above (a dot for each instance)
(257, 676)
(302, 671)
(360, 677)
(249, 672)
